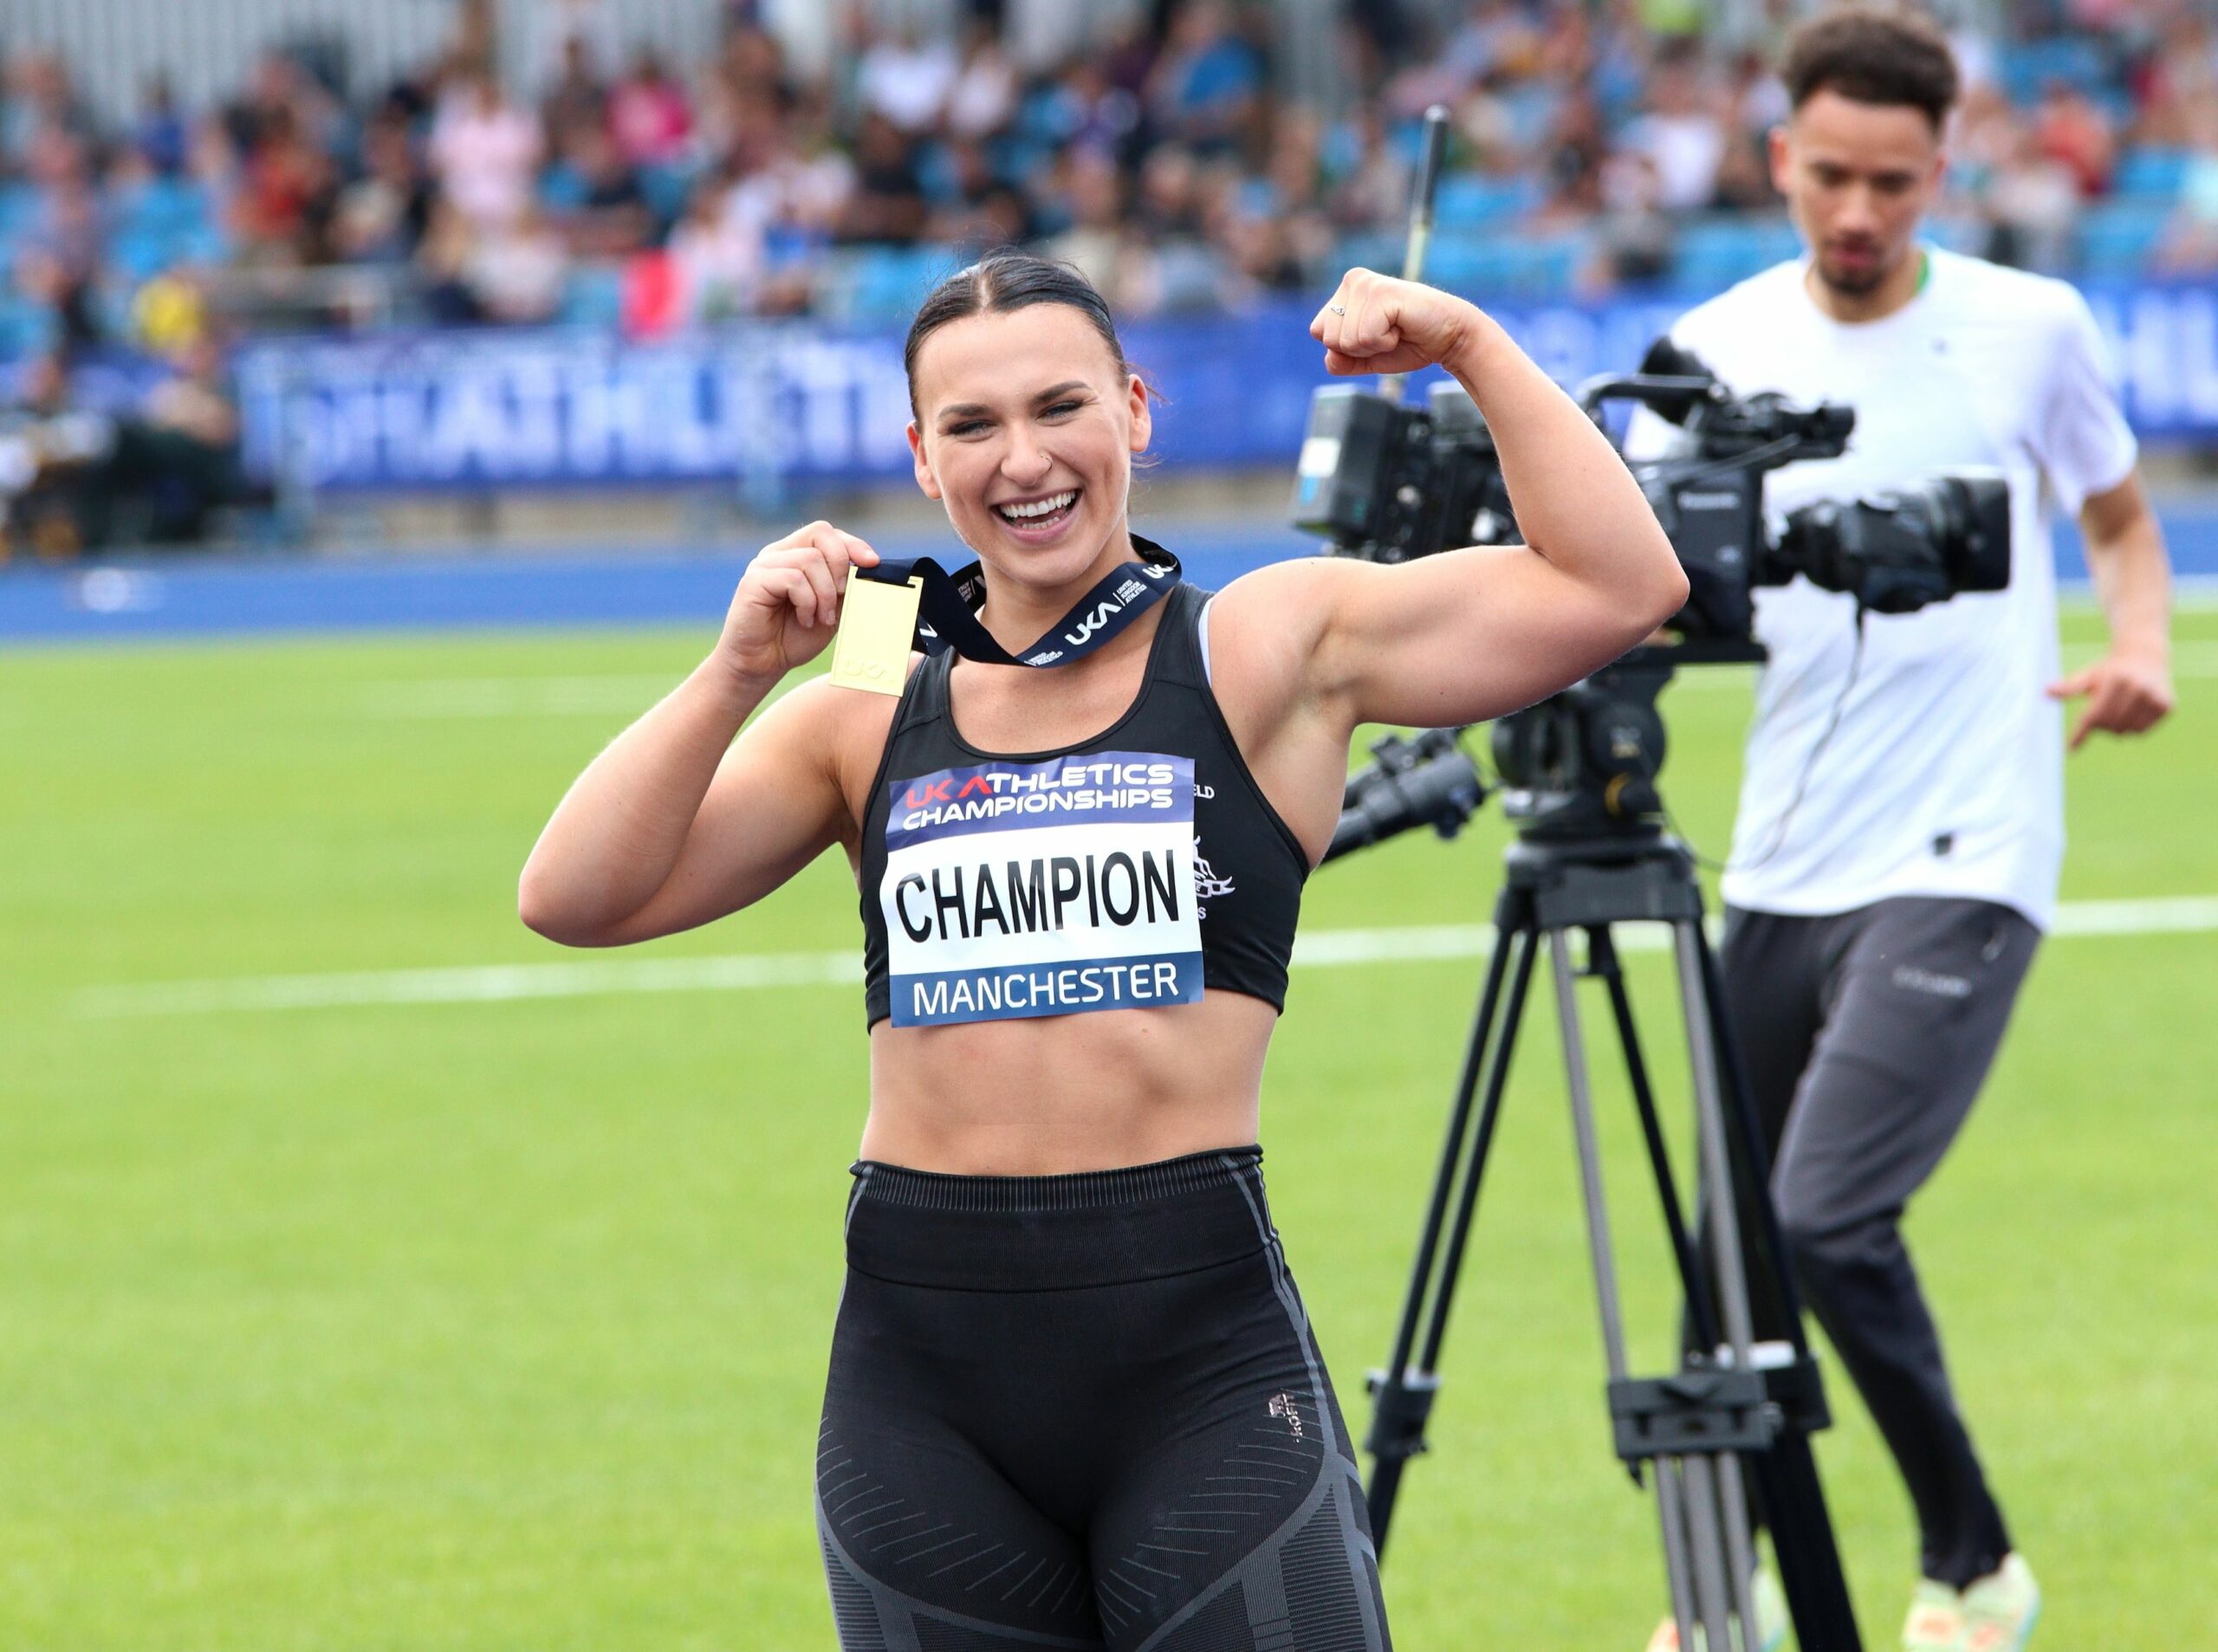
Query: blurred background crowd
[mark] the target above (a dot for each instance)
(1599, 146)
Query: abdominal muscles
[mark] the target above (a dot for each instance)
(1053, 1094)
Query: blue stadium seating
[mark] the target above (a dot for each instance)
(886, 283)
(137, 252)
(785, 245)
(2118, 237)
(2151, 174)
(1473, 198)
(18, 205)
(1499, 264)
(159, 222)
(666, 187)
(1714, 253)
(2027, 67)
(1379, 249)
(1481, 264)
(594, 297)
(563, 188)
(164, 205)
(936, 172)
(25, 328)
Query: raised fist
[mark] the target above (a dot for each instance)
(1374, 323)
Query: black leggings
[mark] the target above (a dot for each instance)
(1085, 1411)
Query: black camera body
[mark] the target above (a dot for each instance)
(1390, 483)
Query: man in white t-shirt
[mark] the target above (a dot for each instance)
(1900, 822)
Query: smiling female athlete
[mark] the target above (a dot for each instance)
(1075, 1400)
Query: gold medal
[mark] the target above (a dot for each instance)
(878, 628)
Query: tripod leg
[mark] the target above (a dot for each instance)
(1451, 1150)
(1740, 1106)
(1709, 1141)
(1739, 1547)
(1403, 1393)
(1701, 1314)
(1732, 1276)
(1787, 1473)
(1590, 1157)
(1706, 1548)
(1802, 1538)
(1671, 1513)
(1467, 1205)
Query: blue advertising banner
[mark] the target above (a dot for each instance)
(776, 406)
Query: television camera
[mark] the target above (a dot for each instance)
(1390, 482)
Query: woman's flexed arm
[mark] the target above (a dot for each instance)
(1471, 634)
(674, 825)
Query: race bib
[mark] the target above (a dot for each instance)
(1017, 889)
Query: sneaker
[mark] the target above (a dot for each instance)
(1936, 1623)
(1771, 1617)
(2001, 1609)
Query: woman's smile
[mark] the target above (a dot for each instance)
(1039, 519)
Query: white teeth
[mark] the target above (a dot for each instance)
(1038, 507)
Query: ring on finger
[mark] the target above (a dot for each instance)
(1336, 309)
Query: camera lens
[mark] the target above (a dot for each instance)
(1974, 541)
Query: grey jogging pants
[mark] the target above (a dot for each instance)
(1867, 1035)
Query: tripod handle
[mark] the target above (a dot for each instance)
(1400, 1405)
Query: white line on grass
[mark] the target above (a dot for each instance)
(488, 984)
(615, 695)
(2190, 661)
(513, 696)
(737, 972)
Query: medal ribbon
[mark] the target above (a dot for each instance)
(947, 611)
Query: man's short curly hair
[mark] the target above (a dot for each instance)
(1872, 56)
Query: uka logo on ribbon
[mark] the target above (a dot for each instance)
(1049, 888)
(1104, 611)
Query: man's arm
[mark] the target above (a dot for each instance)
(2128, 691)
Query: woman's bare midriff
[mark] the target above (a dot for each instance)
(1059, 1093)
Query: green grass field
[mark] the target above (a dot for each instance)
(501, 1325)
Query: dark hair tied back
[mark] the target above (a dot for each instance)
(1002, 281)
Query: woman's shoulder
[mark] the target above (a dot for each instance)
(1264, 631)
(1282, 607)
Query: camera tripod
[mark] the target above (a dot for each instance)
(1729, 1420)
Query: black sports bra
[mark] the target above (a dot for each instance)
(1132, 870)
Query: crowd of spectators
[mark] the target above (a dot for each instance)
(1596, 144)
(1164, 161)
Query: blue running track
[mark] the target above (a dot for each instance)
(185, 595)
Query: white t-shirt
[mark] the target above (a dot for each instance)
(1946, 773)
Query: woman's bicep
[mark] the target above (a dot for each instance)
(1468, 635)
